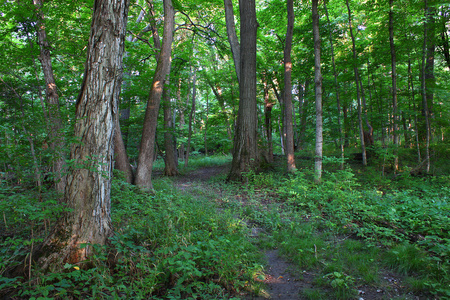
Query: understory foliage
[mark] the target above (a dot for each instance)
(168, 245)
(354, 231)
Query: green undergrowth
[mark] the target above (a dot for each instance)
(168, 245)
(351, 235)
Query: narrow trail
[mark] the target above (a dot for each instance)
(279, 278)
(284, 281)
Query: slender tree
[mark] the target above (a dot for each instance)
(54, 116)
(288, 108)
(394, 83)
(318, 91)
(147, 147)
(232, 36)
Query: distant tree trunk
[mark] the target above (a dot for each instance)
(429, 64)
(146, 152)
(424, 91)
(88, 187)
(318, 89)
(205, 138)
(394, 83)
(232, 36)
(170, 159)
(288, 123)
(303, 107)
(121, 161)
(245, 149)
(268, 121)
(56, 134)
(182, 122)
(358, 95)
(336, 86)
(191, 117)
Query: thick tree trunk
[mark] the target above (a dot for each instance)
(394, 83)
(318, 89)
(170, 159)
(232, 36)
(146, 152)
(245, 149)
(288, 123)
(89, 181)
(358, 94)
(54, 115)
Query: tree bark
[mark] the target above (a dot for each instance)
(191, 116)
(89, 181)
(232, 36)
(394, 84)
(336, 87)
(268, 105)
(54, 115)
(318, 90)
(288, 123)
(170, 159)
(245, 148)
(358, 94)
(425, 107)
(146, 152)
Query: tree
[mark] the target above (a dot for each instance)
(232, 36)
(145, 160)
(288, 122)
(245, 148)
(88, 187)
(54, 117)
(394, 82)
(318, 90)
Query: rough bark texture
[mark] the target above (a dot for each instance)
(145, 160)
(89, 180)
(54, 117)
(318, 90)
(245, 148)
(288, 123)
(232, 37)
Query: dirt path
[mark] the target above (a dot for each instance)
(279, 279)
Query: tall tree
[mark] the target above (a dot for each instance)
(245, 148)
(358, 93)
(394, 82)
(318, 92)
(170, 159)
(145, 159)
(54, 115)
(288, 108)
(88, 187)
(232, 36)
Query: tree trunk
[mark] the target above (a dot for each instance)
(191, 116)
(394, 83)
(205, 137)
(318, 89)
(424, 92)
(232, 36)
(146, 152)
(170, 159)
(89, 182)
(268, 121)
(288, 123)
(358, 95)
(182, 122)
(121, 161)
(245, 148)
(54, 115)
(336, 86)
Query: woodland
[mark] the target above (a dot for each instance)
(189, 149)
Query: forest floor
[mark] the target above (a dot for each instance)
(282, 278)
